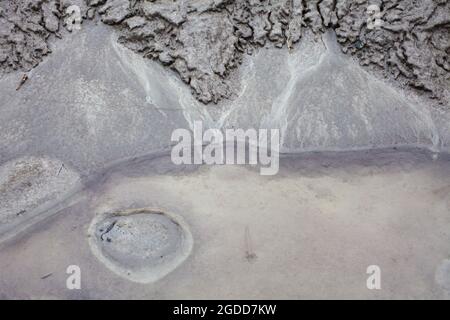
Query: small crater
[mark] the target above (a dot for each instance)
(142, 245)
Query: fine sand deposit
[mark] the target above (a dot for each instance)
(309, 232)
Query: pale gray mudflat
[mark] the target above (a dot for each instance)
(309, 232)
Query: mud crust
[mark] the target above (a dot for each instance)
(204, 40)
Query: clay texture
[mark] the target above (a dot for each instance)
(204, 40)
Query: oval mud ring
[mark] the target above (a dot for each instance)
(141, 245)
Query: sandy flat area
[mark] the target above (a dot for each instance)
(309, 232)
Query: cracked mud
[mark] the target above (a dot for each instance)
(204, 40)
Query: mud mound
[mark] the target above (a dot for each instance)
(30, 186)
(141, 245)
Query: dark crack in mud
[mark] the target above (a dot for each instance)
(204, 40)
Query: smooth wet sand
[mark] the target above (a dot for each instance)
(309, 232)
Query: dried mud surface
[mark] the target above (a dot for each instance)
(204, 40)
